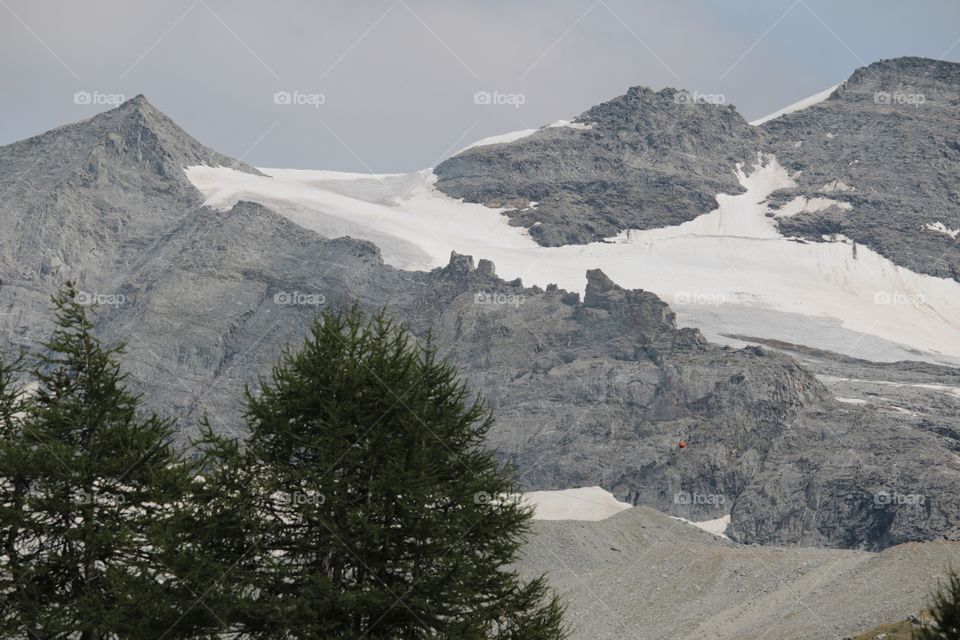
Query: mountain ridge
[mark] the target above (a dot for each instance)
(864, 113)
(591, 391)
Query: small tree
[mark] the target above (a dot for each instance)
(364, 505)
(90, 491)
(945, 611)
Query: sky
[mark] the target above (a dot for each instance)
(399, 85)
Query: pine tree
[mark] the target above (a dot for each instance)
(14, 464)
(945, 612)
(91, 494)
(364, 504)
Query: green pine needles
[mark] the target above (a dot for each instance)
(88, 489)
(944, 612)
(362, 504)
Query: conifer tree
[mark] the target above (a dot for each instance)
(364, 504)
(945, 611)
(14, 464)
(91, 490)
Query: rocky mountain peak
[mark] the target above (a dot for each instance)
(139, 132)
(888, 137)
(645, 159)
(640, 309)
(642, 108)
(105, 187)
(909, 81)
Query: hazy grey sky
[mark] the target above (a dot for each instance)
(398, 77)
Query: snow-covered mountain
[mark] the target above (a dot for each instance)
(604, 232)
(736, 268)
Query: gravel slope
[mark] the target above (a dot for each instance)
(640, 574)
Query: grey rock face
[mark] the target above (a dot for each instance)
(598, 391)
(89, 199)
(650, 159)
(885, 142)
(601, 392)
(888, 137)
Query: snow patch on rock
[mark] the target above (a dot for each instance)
(586, 503)
(728, 258)
(717, 526)
(939, 227)
(797, 106)
(835, 186)
(503, 138)
(803, 204)
(568, 124)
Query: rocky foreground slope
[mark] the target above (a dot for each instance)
(640, 574)
(591, 391)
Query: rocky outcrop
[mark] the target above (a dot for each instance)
(885, 142)
(643, 160)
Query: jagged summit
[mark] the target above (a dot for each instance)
(884, 144)
(645, 107)
(917, 68)
(105, 187)
(133, 134)
(642, 160)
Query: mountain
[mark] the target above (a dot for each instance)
(207, 268)
(883, 145)
(119, 175)
(886, 144)
(855, 193)
(640, 161)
